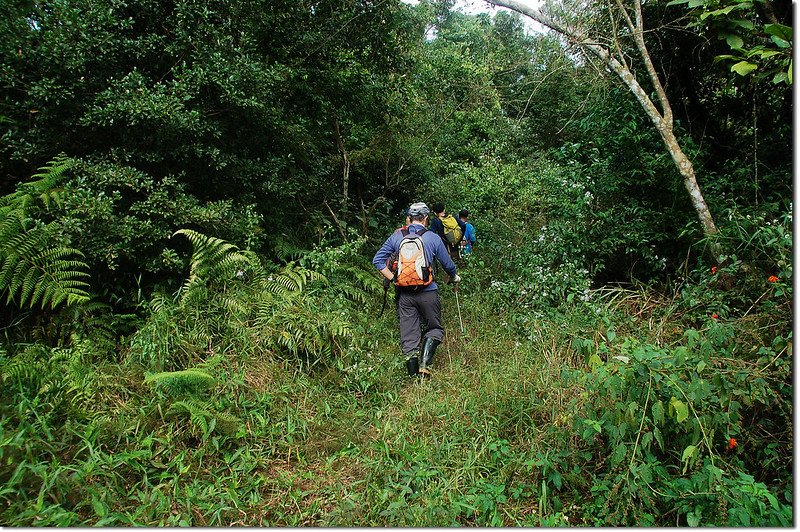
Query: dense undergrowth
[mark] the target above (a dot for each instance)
(273, 395)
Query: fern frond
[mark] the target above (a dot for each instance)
(354, 293)
(12, 222)
(49, 277)
(212, 362)
(234, 305)
(204, 416)
(51, 171)
(59, 376)
(178, 381)
(213, 259)
(44, 188)
(292, 279)
(31, 269)
(286, 251)
(198, 412)
(27, 368)
(159, 302)
(299, 330)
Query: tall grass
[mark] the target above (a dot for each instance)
(520, 425)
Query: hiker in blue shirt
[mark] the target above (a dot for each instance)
(416, 303)
(469, 234)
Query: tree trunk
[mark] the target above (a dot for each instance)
(345, 164)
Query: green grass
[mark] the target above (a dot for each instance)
(494, 438)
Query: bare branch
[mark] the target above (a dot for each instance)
(638, 36)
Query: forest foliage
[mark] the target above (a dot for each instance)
(190, 196)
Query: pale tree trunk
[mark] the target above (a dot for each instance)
(345, 163)
(661, 119)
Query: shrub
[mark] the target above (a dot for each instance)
(663, 423)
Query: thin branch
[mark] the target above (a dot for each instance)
(336, 221)
(638, 36)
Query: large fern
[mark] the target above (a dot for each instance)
(62, 379)
(351, 276)
(292, 317)
(213, 259)
(188, 384)
(32, 270)
(288, 310)
(355, 281)
(44, 189)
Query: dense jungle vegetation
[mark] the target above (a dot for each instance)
(190, 196)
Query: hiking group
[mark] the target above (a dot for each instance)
(408, 258)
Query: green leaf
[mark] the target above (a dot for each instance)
(766, 54)
(780, 77)
(743, 68)
(679, 408)
(746, 24)
(688, 453)
(789, 71)
(658, 412)
(779, 30)
(659, 438)
(718, 12)
(781, 43)
(99, 508)
(734, 41)
(619, 453)
(594, 424)
(727, 56)
(692, 337)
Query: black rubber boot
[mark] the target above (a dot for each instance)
(412, 364)
(428, 349)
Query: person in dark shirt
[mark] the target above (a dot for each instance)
(438, 227)
(420, 303)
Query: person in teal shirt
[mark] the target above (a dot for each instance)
(468, 241)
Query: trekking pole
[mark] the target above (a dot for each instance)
(455, 289)
(386, 284)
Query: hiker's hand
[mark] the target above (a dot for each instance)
(456, 279)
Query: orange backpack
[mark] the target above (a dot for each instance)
(410, 267)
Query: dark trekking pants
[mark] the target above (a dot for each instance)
(414, 308)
